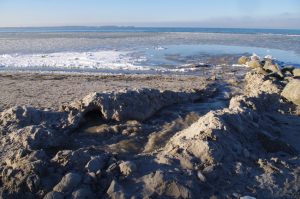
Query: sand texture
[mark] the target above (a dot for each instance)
(89, 136)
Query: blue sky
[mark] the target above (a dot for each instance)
(191, 13)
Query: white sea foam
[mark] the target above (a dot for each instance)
(84, 60)
(104, 60)
(268, 57)
(160, 48)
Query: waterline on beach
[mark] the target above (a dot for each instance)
(167, 58)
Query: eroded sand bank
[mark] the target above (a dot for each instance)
(225, 136)
(53, 90)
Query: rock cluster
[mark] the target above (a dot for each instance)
(270, 67)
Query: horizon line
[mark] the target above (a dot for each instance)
(132, 26)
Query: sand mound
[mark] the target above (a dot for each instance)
(131, 105)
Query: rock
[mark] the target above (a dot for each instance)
(39, 166)
(95, 164)
(175, 190)
(273, 68)
(33, 182)
(201, 177)
(243, 60)
(270, 66)
(83, 193)
(72, 159)
(21, 153)
(268, 57)
(258, 84)
(213, 78)
(291, 92)
(247, 197)
(202, 65)
(273, 144)
(112, 169)
(275, 76)
(288, 69)
(254, 57)
(93, 175)
(54, 195)
(127, 168)
(68, 183)
(115, 191)
(156, 183)
(36, 137)
(296, 72)
(37, 155)
(261, 71)
(254, 64)
(19, 117)
(208, 169)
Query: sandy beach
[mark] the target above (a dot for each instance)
(54, 90)
(227, 135)
(161, 99)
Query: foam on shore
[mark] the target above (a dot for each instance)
(109, 61)
(115, 60)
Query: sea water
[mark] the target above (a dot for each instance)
(138, 50)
